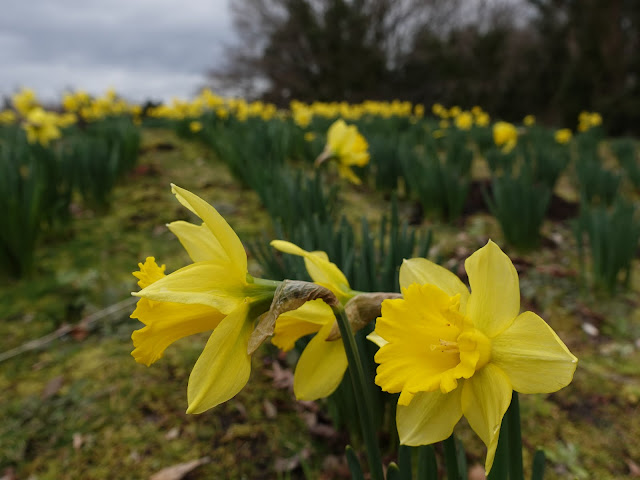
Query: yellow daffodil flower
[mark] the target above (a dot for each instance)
(7, 117)
(322, 364)
(41, 126)
(563, 136)
(505, 135)
(464, 121)
(195, 126)
(483, 119)
(587, 120)
(24, 101)
(529, 121)
(450, 353)
(213, 293)
(346, 145)
(454, 111)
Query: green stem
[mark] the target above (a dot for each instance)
(451, 458)
(500, 469)
(515, 440)
(360, 389)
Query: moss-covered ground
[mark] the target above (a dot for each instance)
(79, 406)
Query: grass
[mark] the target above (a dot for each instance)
(80, 407)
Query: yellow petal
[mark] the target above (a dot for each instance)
(320, 368)
(485, 399)
(149, 272)
(429, 418)
(532, 356)
(495, 292)
(295, 324)
(421, 271)
(205, 283)
(199, 242)
(224, 366)
(345, 172)
(225, 235)
(338, 136)
(166, 323)
(320, 269)
(415, 327)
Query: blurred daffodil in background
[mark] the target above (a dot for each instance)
(563, 136)
(450, 353)
(347, 147)
(505, 135)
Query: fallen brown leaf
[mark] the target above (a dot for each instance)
(52, 387)
(634, 468)
(288, 464)
(179, 471)
(78, 441)
(270, 410)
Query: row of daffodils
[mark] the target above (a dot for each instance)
(446, 350)
(45, 125)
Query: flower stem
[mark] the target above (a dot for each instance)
(515, 439)
(360, 389)
(451, 458)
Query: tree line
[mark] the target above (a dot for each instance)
(550, 58)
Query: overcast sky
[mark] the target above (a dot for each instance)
(142, 48)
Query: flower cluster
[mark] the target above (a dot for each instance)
(446, 350)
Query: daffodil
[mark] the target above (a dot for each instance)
(450, 353)
(483, 119)
(464, 121)
(529, 120)
(587, 120)
(41, 126)
(505, 135)
(195, 126)
(322, 364)
(346, 145)
(563, 136)
(213, 293)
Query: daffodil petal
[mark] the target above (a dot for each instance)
(166, 323)
(224, 366)
(485, 399)
(429, 418)
(338, 136)
(199, 242)
(320, 269)
(295, 324)
(421, 271)
(532, 356)
(495, 291)
(219, 227)
(204, 283)
(346, 172)
(320, 368)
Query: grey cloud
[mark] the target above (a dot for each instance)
(127, 44)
